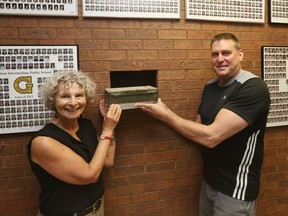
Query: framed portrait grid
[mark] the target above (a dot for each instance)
(275, 74)
(164, 9)
(252, 11)
(23, 70)
(278, 11)
(39, 7)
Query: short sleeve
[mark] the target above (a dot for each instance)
(251, 100)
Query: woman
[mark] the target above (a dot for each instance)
(65, 155)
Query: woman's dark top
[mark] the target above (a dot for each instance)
(58, 197)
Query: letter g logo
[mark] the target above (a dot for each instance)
(28, 85)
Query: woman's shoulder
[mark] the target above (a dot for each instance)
(45, 134)
(42, 139)
(47, 129)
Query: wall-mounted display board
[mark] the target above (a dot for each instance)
(164, 9)
(39, 7)
(23, 69)
(278, 11)
(252, 11)
(275, 74)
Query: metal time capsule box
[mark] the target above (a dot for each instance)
(126, 97)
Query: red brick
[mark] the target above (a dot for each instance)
(129, 190)
(172, 34)
(68, 33)
(141, 34)
(12, 172)
(12, 194)
(108, 33)
(8, 32)
(158, 44)
(126, 44)
(109, 55)
(37, 33)
(141, 54)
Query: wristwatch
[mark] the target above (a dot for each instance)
(103, 137)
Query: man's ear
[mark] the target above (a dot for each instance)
(241, 54)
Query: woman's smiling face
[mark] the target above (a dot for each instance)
(70, 102)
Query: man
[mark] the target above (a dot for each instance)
(230, 125)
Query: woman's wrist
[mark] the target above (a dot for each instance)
(109, 135)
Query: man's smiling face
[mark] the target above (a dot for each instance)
(226, 60)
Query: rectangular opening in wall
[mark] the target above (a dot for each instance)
(133, 78)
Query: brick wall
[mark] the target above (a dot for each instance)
(157, 171)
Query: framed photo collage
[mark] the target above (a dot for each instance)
(278, 11)
(39, 7)
(23, 69)
(275, 74)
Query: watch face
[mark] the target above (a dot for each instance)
(103, 137)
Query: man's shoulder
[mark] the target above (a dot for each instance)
(245, 76)
(211, 81)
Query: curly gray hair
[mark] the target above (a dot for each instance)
(66, 77)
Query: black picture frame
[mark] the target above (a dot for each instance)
(275, 74)
(278, 12)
